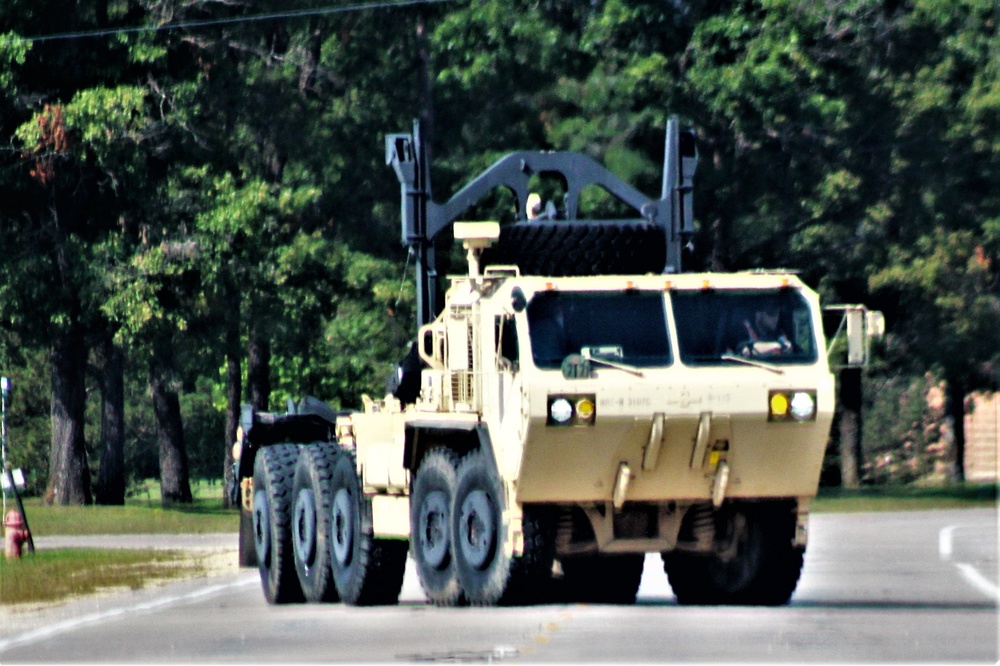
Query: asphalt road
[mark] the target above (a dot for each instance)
(877, 587)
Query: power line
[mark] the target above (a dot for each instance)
(319, 11)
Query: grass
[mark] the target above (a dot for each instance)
(142, 514)
(53, 575)
(905, 498)
(202, 517)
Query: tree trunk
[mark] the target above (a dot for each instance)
(955, 406)
(234, 389)
(175, 486)
(259, 371)
(69, 474)
(850, 427)
(111, 478)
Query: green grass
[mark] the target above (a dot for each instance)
(53, 575)
(202, 517)
(142, 514)
(905, 498)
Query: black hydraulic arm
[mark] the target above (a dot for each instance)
(423, 219)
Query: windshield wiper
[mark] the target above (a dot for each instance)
(587, 353)
(757, 364)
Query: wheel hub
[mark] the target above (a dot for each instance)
(261, 526)
(343, 527)
(304, 527)
(432, 536)
(477, 529)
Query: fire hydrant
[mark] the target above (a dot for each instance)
(15, 534)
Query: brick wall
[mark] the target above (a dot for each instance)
(982, 437)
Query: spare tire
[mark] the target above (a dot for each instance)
(561, 248)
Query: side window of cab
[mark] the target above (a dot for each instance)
(505, 335)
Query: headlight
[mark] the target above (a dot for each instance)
(791, 405)
(571, 410)
(560, 411)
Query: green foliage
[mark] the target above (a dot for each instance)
(171, 187)
(29, 428)
(904, 431)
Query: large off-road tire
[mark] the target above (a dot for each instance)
(478, 532)
(274, 469)
(603, 579)
(531, 572)
(760, 566)
(311, 503)
(580, 248)
(367, 571)
(247, 546)
(430, 528)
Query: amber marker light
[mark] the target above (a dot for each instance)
(585, 410)
(778, 405)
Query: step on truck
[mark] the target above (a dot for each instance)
(575, 402)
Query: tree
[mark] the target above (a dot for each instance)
(111, 478)
(942, 242)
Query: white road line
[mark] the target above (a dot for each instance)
(57, 628)
(978, 580)
(945, 541)
(969, 572)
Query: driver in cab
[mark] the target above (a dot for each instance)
(764, 336)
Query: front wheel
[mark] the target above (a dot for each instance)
(430, 531)
(367, 571)
(754, 562)
(477, 529)
(603, 579)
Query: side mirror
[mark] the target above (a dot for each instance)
(858, 326)
(518, 301)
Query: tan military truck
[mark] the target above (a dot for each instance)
(550, 426)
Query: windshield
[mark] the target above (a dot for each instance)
(772, 326)
(625, 327)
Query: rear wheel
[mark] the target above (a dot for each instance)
(477, 529)
(754, 563)
(430, 532)
(272, 505)
(367, 571)
(603, 579)
(311, 521)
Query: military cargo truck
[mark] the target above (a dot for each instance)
(575, 403)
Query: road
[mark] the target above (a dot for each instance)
(876, 587)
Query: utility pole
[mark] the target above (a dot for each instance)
(8, 475)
